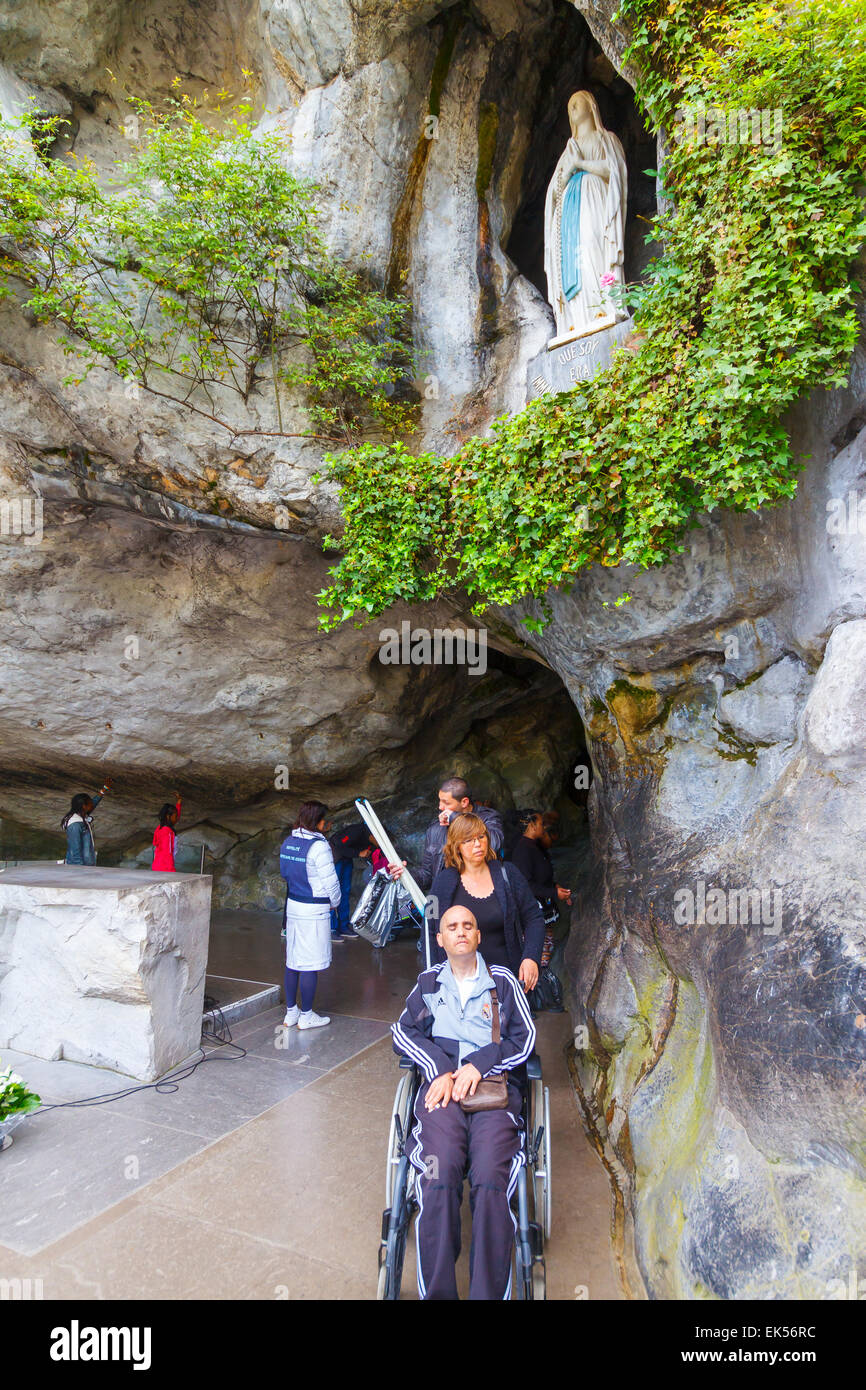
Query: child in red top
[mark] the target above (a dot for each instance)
(164, 837)
(378, 859)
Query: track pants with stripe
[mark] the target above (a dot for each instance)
(445, 1145)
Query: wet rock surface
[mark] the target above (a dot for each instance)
(718, 952)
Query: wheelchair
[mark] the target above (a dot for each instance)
(532, 1193)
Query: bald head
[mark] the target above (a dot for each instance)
(458, 934)
(457, 914)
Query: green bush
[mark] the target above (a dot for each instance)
(751, 305)
(15, 1098)
(198, 269)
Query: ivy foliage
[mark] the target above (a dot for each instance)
(197, 270)
(751, 305)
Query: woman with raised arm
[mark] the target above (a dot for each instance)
(164, 837)
(78, 824)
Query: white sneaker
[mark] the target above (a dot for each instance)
(312, 1020)
(292, 1016)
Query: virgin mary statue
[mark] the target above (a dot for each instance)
(584, 225)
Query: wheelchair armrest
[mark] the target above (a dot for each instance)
(533, 1067)
(406, 1064)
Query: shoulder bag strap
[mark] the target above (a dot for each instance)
(494, 999)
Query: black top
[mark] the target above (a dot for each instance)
(348, 842)
(523, 921)
(534, 862)
(491, 923)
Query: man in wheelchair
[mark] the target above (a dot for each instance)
(447, 1029)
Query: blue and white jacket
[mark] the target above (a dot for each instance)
(307, 865)
(440, 1034)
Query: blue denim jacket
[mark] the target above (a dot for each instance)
(80, 848)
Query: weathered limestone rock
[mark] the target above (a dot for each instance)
(103, 966)
(718, 960)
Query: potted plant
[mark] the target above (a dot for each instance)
(15, 1102)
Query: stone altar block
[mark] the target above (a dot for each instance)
(104, 966)
(563, 368)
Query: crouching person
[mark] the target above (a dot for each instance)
(464, 1023)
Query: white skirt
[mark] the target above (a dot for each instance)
(308, 936)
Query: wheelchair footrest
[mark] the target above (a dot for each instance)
(536, 1236)
(386, 1223)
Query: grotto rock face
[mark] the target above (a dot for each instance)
(719, 956)
(177, 564)
(162, 623)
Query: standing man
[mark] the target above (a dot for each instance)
(454, 800)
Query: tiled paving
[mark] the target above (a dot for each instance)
(260, 1177)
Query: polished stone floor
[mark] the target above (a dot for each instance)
(262, 1174)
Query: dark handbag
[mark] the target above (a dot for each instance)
(492, 1094)
(546, 997)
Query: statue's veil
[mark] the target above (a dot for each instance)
(593, 106)
(614, 227)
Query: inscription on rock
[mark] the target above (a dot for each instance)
(563, 368)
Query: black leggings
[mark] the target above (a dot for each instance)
(307, 979)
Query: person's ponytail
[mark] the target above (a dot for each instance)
(79, 801)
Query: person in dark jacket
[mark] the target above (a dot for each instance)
(531, 854)
(447, 1030)
(509, 919)
(348, 844)
(78, 824)
(454, 800)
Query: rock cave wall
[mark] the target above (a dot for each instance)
(722, 1064)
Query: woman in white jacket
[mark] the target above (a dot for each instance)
(312, 889)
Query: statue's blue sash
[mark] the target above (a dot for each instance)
(570, 236)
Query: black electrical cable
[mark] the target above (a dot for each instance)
(221, 1036)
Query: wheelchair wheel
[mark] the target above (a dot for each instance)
(538, 1138)
(392, 1252)
(401, 1116)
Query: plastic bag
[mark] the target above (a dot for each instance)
(406, 911)
(376, 913)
